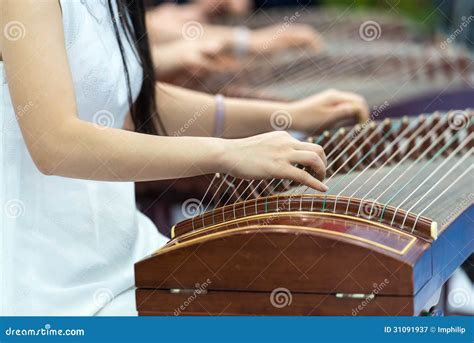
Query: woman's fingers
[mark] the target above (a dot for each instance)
(336, 96)
(313, 148)
(354, 107)
(347, 103)
(345, 109)
(306, 179)
(274, 155)
(360, 104)
(314, 41)
(312, 160)
(363, 113)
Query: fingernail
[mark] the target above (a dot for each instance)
(324, 187)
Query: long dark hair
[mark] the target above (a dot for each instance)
(144, 112)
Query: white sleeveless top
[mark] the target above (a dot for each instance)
(67, 246)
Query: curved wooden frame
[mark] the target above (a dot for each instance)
(253, 222)
(422, 227)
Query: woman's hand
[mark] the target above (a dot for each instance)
(190, 58)
(275, 155)
(324, 109)
(278, 37)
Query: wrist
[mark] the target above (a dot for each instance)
(228, 159)
(299, 117)
(217, 158)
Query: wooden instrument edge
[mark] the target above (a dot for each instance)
(296, 228)
(425, 228)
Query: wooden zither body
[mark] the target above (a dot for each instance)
(391, 230)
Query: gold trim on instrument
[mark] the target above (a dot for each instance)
(297, 228)
(273, 214)
(434, 226)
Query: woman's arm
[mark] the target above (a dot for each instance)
(190, 113)
(61, 144)
(170, 22)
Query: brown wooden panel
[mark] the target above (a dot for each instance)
(161, 302)
(339, 256)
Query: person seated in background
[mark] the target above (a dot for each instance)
(184, 42)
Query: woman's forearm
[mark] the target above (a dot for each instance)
(82, 150)
(191, 113)
(249, 117)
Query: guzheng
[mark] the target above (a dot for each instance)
(390, 231)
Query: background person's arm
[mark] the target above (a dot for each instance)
(169, 22)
